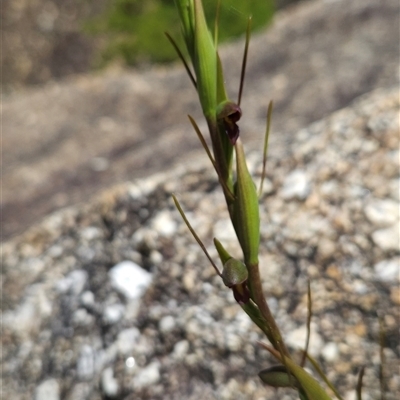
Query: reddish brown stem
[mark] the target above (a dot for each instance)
(258, 297)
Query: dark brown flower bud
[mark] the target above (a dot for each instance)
(229, 114)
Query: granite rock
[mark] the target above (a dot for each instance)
(186, 338)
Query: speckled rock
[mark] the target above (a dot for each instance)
(68, 329)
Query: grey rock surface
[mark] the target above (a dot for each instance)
(44, 40)
(47, 39)
(65, 141)
(185, 337)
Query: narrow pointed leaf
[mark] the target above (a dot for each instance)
(245, 209)
(223, 254)
(227, 192)
(221, 90)
(244, 61)
(360, 384)
(323, 376)
(192, 231)
(186, 15)
(265, 152)
(205, 63)
(202, 140)
(182, 58)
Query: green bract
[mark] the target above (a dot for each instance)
(234, 273)
(277, 376)
(202, 52)
(205, 63)
(246, 218)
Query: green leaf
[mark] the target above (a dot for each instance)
(278, 376)
(223, 254)
(182, 58)
(312, 389)
(186, 11)
(322, 375)
(205, 63)
(246, 219)
(265, 151)
(244, 61)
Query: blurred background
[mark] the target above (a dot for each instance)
(92, 96)
(51, 39)
(70, 128)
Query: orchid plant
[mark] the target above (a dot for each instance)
(229, 161)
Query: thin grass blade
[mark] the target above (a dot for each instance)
(198, 240)
(265, 150)
(202, 140)
(360, 383)
(323, 376)
(228, 193)
(244, 61)
(180, 55)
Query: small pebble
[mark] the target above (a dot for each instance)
(85, 364)
(181, 349)
(296, 186)
(167, 324)
(149, 375)
(297, 339)
(388, 270)
(73, 283)
(109, 383)
(387, 239)
(164, 224)
(127, 340)
(47, 390)
(113, 313)
(130, 279)
(87, 299)
(383, 212)
(81, 317)
(330, 352)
